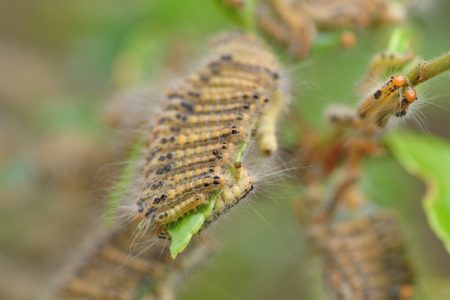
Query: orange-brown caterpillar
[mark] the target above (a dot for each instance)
(380, 105)
(366, 259)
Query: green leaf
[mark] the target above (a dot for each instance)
(184, 229)
(428, 158)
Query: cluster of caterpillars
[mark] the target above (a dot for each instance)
(365, 259)
(112, 270)
(295, 23)
(195, 146)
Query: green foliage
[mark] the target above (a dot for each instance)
(428, 158)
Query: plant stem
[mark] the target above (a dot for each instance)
(428, 69)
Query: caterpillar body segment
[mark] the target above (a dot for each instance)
(179, 178)
(179, 155)
(206, 124)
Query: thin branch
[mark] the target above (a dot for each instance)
(428, 69)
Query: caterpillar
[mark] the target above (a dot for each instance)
(170, 168)
(386, 100)
(266, 135)
(231, 133)
(365, 258)
(209, 182)
(176, 118)
(164, 157)
(180, 209)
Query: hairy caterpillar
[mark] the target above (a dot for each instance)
(386, 100)
(180, 209)
(365, 258)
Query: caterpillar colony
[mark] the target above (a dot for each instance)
(193, 156)
(365, 259)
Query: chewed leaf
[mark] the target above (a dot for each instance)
(428, 158)
(183, 230)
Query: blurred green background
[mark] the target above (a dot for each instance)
(63, 65)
